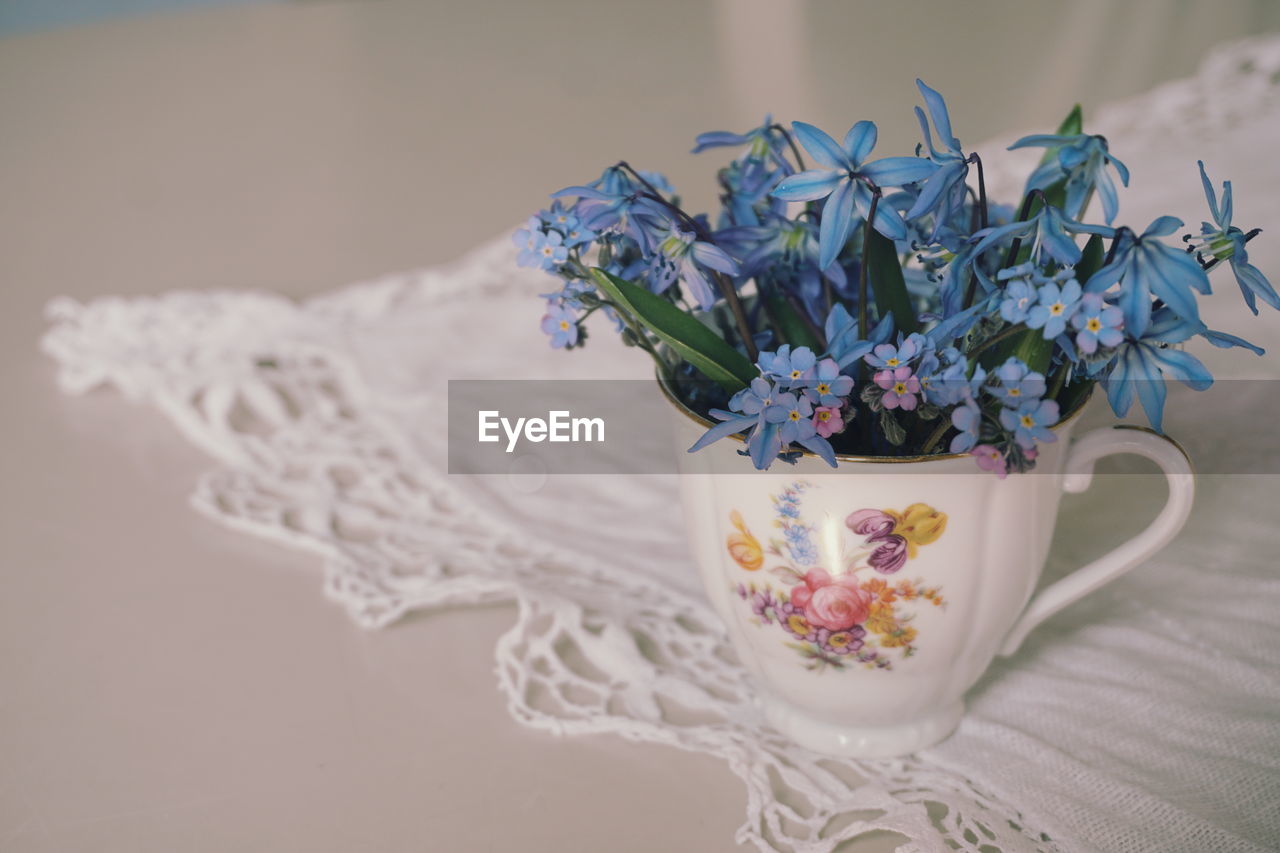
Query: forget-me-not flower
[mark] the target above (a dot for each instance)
(888, 356)
(1053, 308)
(561, 324)
(828, 387)
(1017, 383)
(1017, 299)
(789, 368)
(967, 418)
(1030, 422)
(1097, 323)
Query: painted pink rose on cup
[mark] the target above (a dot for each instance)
(833, 604)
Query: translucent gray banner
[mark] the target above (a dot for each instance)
(632, 427)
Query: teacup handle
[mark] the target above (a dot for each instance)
(1078, 473)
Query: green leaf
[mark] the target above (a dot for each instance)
(791, 327)
(887, 284)
(1090, 259)
(1072, 125)
(893, 430)
(1032, 350)
(693, 341)
(1029, 347)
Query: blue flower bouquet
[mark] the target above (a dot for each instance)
(840, 303)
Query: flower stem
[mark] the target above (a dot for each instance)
(1003, 335)
(1023, 213)
(863, 272)
(1059, 380)
(944, 424)
(798, 307)
(795, 151)
(730, 295)
(982, 189)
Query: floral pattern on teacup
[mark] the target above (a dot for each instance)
(853, 616)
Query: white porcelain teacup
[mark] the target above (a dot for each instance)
(867, 600)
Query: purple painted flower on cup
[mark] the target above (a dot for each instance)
(890, 554)
(871, 523)
(764, 605)
(843, 642)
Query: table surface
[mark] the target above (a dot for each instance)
(170, 685)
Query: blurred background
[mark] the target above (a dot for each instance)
(299, 145)
(149, 145)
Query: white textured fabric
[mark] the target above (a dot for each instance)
(1143, 719)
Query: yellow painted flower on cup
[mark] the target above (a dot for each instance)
(919, 524)
(743, 547)
(882, 619)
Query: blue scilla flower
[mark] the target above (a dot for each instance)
(561, 324)
(763, 143)
(889, 357)
(1144, 266)
(944, 190)
(1017, 383)
(788, 244)
(967, 418)
(789, 368)
(681, 256)
(1082, 160)
(1097, 324)
(843, 343)
(1050, 228)
(1030, 422)
(1222, 241)
(607, 203)
(747, 187)
(1141, 364)
(842, 182)
(1054, 307)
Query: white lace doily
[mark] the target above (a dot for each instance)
(1142, 719)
